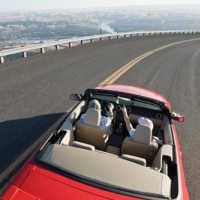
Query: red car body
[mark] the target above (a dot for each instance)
(36, 181)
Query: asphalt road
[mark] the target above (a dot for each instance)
(35, 91)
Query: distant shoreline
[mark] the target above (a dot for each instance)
(35, 27)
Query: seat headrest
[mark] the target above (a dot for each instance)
(143, 134)
(94, 104)
(92, 117)
(145, 122)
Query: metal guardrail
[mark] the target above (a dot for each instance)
(81, 40)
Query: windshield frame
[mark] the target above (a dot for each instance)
(137, 98)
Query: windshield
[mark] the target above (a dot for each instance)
(128, 102)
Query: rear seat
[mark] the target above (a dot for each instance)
(83, 145)
(135, 159)
(138, 160)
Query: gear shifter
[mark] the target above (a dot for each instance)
(119, 129)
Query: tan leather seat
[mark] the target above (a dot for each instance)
(135, 159)
(141, 144)
(83, 145)
(91, 132)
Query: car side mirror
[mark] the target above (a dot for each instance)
(76, 97)
(177, 116)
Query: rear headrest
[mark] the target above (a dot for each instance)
(92, 117)
(143, 134)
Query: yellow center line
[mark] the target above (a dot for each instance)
(113, 77)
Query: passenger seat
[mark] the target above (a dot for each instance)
(141, 145)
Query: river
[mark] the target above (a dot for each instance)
(106, 27)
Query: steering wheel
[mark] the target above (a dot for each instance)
(104, 107)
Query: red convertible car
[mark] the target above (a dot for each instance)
(83, 160)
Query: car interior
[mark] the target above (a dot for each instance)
(109, 156)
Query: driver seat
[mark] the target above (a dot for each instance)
(91, 132)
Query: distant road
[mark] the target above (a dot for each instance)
(35, 91)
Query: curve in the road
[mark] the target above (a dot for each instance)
(112, 78)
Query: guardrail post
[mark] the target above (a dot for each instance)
(42, 50)
(1, 59)
(70, 44)
(24, 54)
(57, 47)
